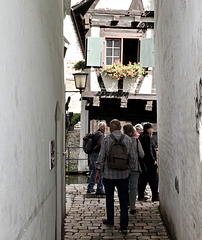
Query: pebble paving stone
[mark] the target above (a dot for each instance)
(84, 214)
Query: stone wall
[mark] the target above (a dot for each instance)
(73, 148)
(178, 52)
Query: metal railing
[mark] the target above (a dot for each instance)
(72, 160)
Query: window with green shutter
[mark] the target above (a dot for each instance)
(147, 52)
(123, 49)
(94, 56)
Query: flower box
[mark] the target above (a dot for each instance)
(130, 73)
(130, 85)
(111, 84)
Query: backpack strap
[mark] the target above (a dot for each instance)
(113, 138)
(96, 134)
(121, 138)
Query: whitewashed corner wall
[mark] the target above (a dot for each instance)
(178, 52)
(83, 163)
(32, 82)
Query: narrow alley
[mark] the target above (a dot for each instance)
(86, 211)
(66, 67)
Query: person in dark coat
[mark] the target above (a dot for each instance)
(149, 173)
(97, 140)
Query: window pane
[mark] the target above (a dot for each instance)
(108, 60)
(109, 43)
(117, 52)
(113, 50)
(117, 43)
(109, 52)
(116, 58)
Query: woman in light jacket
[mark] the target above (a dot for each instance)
(136, 169)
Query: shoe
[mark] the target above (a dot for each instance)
(100, 192)
(90, 190)
(143, 199)
(124, 230)
(155, 199)
(106, 222)
(132, 212)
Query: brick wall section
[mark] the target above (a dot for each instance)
(178, 53)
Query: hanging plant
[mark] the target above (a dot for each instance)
(119, 71)
(74, 118)
(80, 65)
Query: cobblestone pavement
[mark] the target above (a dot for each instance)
(85, 213)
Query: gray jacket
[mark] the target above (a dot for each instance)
(136, 165)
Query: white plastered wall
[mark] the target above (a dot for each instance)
(178, 53)
(32, 82)
(83, 163)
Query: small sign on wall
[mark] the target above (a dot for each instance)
(51, 154)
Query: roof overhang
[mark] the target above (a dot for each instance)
(77, 13)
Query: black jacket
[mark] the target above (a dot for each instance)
(149, 148)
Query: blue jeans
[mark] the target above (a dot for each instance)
(91, 184)
(133, 183)
(122, 187)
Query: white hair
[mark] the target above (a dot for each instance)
(102, 124)
(139, 126)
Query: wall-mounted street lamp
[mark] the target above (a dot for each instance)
(80, 79)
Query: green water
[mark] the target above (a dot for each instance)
(77, 179)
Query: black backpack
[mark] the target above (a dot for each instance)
(118, 155)
(88, 143)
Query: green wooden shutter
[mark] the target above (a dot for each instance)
(147, 52)
(94, 56)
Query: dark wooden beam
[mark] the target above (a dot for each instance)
(120, 32)
(106, 23)
(135, 111)
(94, 4)
(114, 12)
(110, 95)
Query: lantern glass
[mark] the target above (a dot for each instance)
(80, 80)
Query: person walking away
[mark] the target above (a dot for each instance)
(115, 172)
(97, 140)
(139, 129)
(136, 169)
(150, 174)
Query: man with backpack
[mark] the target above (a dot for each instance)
(97, 138)
(115, 158)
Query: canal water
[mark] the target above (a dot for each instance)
(77, 179)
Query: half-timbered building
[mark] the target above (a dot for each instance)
(109, 31)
